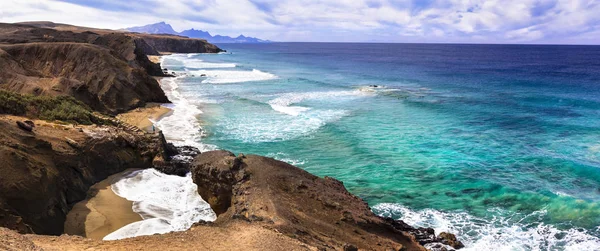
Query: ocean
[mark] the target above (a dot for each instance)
(499, 144)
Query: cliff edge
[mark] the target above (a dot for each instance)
(107, 70)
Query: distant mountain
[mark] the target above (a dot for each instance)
(164, 28)
(157, 28)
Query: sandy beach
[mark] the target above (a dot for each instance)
(154, 59)
(141, 117)
(103, 213)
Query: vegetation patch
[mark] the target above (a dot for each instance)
(60, 108)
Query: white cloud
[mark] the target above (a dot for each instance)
(505, 21)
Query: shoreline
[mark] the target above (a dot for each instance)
(103, 212)
(143, 117)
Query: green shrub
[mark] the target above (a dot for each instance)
(61, 108)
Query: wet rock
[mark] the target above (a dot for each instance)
(450, 240)
(426, 236)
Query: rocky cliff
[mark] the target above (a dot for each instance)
(164, 43)
(107, 70)
(87, 72)
(46, 171)
(319, 212)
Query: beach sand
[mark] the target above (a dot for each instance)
(140, 117)
(102, 213)
(154, 59)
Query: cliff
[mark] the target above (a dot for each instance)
(87, 72)
(318, 212)
(45, 171)
(262, 203)
(165, 43)
(265, 204)
(107, 70)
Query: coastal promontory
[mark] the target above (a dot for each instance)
(61, 87)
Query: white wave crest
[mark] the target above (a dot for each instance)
(227, 77)
(182, 127)
(166, 203)
(500, 233)
(283, 103)
(285, 158)
(188, 61)
(274, 128)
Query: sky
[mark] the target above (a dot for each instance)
(424, 21)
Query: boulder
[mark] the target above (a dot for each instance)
(24, 126)
(450, 240)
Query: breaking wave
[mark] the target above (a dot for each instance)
(505, 231)
(166, 203)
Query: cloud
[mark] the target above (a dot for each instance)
(486, 21)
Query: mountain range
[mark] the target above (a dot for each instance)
(165, 28)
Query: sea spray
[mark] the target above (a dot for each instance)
(226, 77)
(455, 130)
(181, 127)
(506, 231)
(166, 203)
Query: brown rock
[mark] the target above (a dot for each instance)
(279, 196)
(24, 126)
(43, 175)
(450, 240)
(107, 70)
(350, 247)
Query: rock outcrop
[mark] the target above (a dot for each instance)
(90, 73)
(107, 70)
(319, 212)
(44, 172)
(179, 44)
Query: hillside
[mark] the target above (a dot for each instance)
(108, 71)
(164, 28)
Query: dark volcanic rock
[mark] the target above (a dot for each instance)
(427, 235)
(317, 211)
(174, 160)
(450, 240)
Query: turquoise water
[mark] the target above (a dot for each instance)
(499, 144)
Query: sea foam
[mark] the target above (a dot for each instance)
(188, 61)
(503, 232)
(182, 126)
(227, 77)
(284, 102)
(166, 203)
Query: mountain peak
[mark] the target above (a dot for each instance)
(157, 28)
(165, 28)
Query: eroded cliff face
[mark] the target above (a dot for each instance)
(107, 70)
(44, 172)
(179, 44)
(87, 72)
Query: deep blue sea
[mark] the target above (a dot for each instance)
(499, 144)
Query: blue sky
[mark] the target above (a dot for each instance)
(455, 21)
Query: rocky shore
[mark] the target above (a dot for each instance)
(49, 166)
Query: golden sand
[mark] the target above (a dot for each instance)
(103, 213)
(141, 117)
